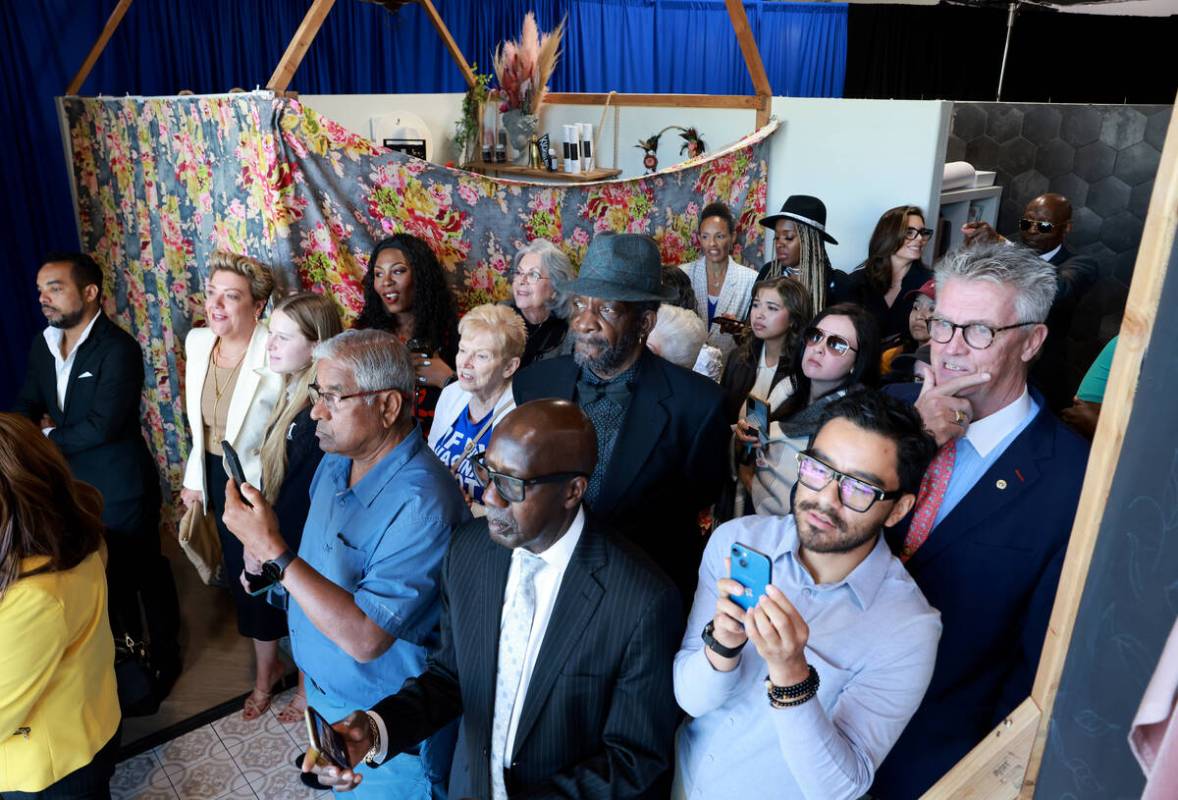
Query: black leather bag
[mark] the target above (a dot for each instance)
(137, 678)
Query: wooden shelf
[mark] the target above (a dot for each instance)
(511, 170)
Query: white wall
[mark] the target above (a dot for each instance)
(860, 156)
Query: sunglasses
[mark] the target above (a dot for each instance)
(509, 487)
(1040, 226)
(855, 494)
(834, 343)
(923, 233)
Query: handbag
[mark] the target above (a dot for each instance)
(137, 678)
(200, 542)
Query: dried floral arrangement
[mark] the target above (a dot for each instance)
(523, 67)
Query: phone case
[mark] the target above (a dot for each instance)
(753, 570)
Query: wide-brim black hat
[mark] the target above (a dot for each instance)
(622, 266)
(804, 209)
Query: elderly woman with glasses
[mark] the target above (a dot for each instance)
(839, 353)
(535, 272)
(892, 271)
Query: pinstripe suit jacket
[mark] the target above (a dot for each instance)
(599, 717)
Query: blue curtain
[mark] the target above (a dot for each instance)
(164, 46)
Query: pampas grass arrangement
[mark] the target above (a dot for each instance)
(523, 67)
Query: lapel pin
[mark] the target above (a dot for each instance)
(1001, 484)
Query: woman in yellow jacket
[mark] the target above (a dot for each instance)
(59, 707)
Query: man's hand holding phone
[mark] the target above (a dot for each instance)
(728, 624)
(780, 634)
(354, 734)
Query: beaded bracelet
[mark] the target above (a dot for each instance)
(787, 696)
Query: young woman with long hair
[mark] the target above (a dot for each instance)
(893, 269)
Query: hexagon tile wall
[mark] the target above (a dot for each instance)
(1102, 157)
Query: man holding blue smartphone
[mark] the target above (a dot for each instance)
(842, 641)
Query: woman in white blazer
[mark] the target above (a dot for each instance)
(490, 344)
(723, 288)
(230, 393)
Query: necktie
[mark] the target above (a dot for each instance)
(928, 501)
(590, 391)
(515, 627)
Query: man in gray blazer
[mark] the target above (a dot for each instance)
(557, 638)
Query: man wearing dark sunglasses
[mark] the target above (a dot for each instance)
(987, 536)
(803, 694)
(1044, 224)
(557, 638)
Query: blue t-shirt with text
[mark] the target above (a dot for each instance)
(450, 447)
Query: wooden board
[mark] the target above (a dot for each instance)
(513, 171)
(655, 100)
(455, 51)
(108, 30)
(752, 59)
(994, 769)
(299, 44)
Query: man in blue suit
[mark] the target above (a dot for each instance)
(986, 539)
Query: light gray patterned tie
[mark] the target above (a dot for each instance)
(515, 626)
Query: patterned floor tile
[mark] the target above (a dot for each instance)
(284, 784)
(191, 748)
(264, 751)
(205, 780)
(233, 729)
(133, 776)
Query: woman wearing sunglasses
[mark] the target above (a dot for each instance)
(840, 353)
(892, 271)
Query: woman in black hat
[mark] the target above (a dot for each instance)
(799, 250)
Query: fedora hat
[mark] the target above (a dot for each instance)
(620, 266)
(804, 209)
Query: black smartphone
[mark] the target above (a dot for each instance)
(326, 743)
(259, 584)
(234, 465)
(731, 325)
(419, 346)
(757, 412)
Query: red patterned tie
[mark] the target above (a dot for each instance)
(928, 501)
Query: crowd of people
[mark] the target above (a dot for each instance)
(503, 544)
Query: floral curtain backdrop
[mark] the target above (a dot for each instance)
(163, 182)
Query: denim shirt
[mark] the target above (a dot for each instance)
(383, 541)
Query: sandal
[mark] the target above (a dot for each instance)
(295, 709)
(255, 708)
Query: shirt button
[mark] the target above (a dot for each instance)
(732, 722)
(711, 758)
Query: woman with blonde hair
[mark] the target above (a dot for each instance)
(490, 344)
(59, 705)
(290, 451)
(230, 394)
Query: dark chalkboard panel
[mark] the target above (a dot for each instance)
(1130, 600)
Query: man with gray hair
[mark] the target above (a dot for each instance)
(678, 335)
(363, 589)
(986, 539)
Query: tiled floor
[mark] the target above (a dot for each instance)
(229, 758)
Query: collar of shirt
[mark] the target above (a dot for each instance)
(863, 581)
(1051, 253)
(371, 485)
(985, 434)
(561, 552)
(54, 335)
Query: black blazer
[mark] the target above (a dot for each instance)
(98, 431)
(893, 319)
(991, 568)
(599, 717)
(1052, 373)
(670, 460)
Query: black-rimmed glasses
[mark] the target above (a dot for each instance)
(509, 487)
(976, 335)
(912, 233)
(834, 343)
(332, 400)
(1042, 226)
(856, 494)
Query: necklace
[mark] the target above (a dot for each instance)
(715, 280)
(218, 388)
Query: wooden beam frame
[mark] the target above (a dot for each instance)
(745, 101)
(1005, 765)
(455, 51)
(752, 59)
(112, 23)
(299, 44)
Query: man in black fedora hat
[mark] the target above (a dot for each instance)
(661, 435)
(799, 250)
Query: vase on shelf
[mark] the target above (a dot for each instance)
(521, 128)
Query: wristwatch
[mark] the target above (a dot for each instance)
(717, 648)
(374, 733)
(275, 570)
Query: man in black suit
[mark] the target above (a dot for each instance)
(83, 386)
(1045, 222)
(556, 638)
(661, 434)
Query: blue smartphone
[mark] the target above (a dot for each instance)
(751, 569)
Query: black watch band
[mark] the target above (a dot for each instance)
(717, 648)
(276, 570)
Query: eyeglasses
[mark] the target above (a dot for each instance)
(923, 233)
(1025, 224)
(854, 493)
(834, 343)
(976, 335)
(533, 276)
(332, 400)
(509, 487)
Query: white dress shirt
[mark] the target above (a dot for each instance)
(63, 364)
(1050, 254)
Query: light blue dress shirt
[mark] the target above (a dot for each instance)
(983, 444)
(383, 540)
(873, 640)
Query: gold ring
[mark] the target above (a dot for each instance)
(958, 417)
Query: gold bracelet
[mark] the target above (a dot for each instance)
(374, 732)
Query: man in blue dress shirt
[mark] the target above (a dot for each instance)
(803, 695)
(364, 586)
